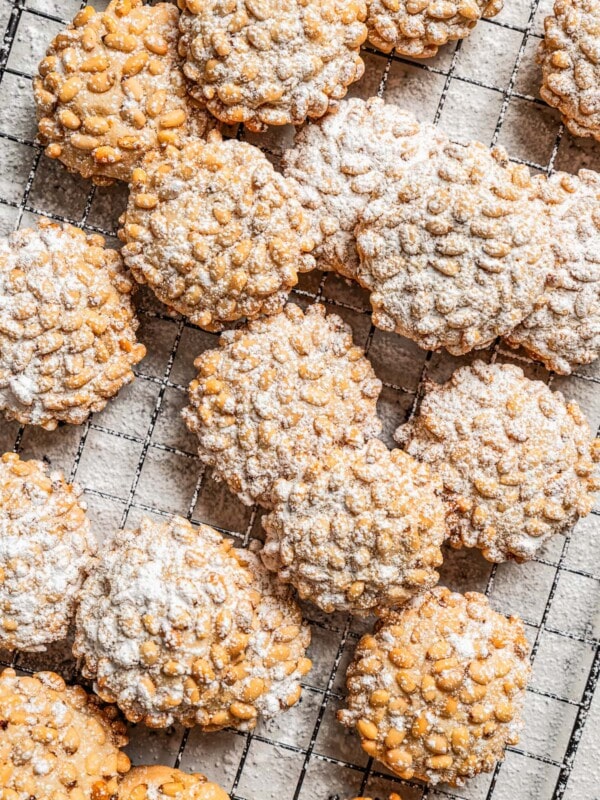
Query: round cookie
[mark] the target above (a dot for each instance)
(159, 783)
(268, 63)
(341, 160)
(363, 534)
(435, 692)
(46, 549)
(215, 232)
(454, 252)
(111, 89)
(276, 396)
(564, 329)
(67, 325)
(568, 56)
(177, 626)
(56, 741)
(517, 462)
(417, 28)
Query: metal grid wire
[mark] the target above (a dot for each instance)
(140, 438)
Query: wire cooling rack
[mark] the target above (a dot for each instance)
(136, 458)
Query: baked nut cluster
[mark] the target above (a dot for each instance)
(160, 783)
(568, 56)
(176, 625)
(262, 62)
(564, 329)
(111, 89)
(435, 691)
(340, 161)
(276, 396)
(364, 533)
(67, 325)
(215, 231)
(417, 28)
(46, 548)
(453, 252)
(56, 741)
(517, 462)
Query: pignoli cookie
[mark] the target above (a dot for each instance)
(56, 741)
(362, 535)
(563, 331)
(46, 549)
(518, 463)
(175, 625)
(67, 325)
(418, 28)
(215, 232)
(262, 62)
(111, 89)
(276, 396)
(435, 691)
(568, 56)
(454, 252)
(159, 783)
(341, 160)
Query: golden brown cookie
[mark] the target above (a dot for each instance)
(362, 534)
(435, 691)
(568, 56)
(46, 549)
(262, 62)
(341, 160)
(518, 463)
(111, 89)
(276, 396)
(67, 325)
(564, 329)
(454, 251)
(56, 741)
(215, 232)
(176, 625)
(159, 783)
(417, 28)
